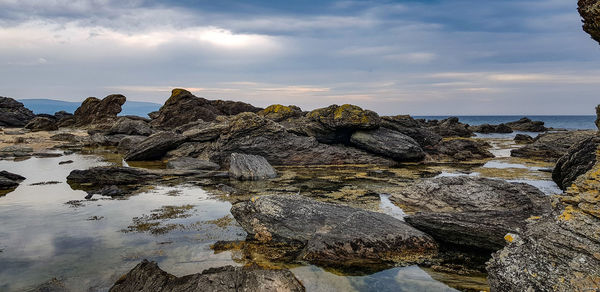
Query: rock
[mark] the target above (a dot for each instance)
(15, 151)
(250, 167)
(183, 107)
(103, 176)
(191, 163)
(147, 276)
(101, 139)
(13, 113)
(330, 234)
(590, 12)
(62, 115)
(470, 211)
(450, 127)
(99, 113)
(408, 126)
(488, 129)
(129, 142)
(47, 154)
(346, 116)
(52, 285)
(579, 159)
(42, 124)
(65, 162)
(129, 126)
(279, 112)
(461, 149)
(155, 146)
(551, 146)
(527, 125)
(388, 143)
(67, 137)
(523, 139)
(9, 180)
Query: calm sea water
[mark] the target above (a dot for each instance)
(559, 122)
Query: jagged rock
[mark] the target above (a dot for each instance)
(408, 126)
(527, 125)
(99, 113)
(183, 107)
(191, 163)
(129, 142)
(100, 139)
(330, 234)
(469, 211)
(250, 167)
(147, 276)
(462, 149)
(279, 112)
(67, 137)
(450, 127)
(346, 116)
(106, 176)
(590, 12)
(551, 146)
(488, 129)
(579, 159)
(130, 126)
(59, 115)
(523, 139)
(42, 124)
(9, 180)
(388, 143)
(304, 126)
(13, 113)
(155, 146)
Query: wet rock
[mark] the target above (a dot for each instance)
(98, 113)
(155, 146)
(147, 276)
(130, 126)
(53, 285)
(183, 107)
(462, 149)
(191, 163)
(450, 127)
(330, 234)
(470, 211)
(279, 112)
(590, 12)
(579, 159)
(42, 124)
(527, 125)
(388, 143)
(551, 146)
(9, 180)
(47, 154)
(523, 139)
(15, 151)
(13, 113)
(106, 176)
(250, 167)
(489, 129)
(65, 162)
(408, 126)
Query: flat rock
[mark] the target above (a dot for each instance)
(191, 163)
(388, 143)
(250, 167)
(331, 234)
(147, 276)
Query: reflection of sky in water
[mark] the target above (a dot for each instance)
(387, 207)
(503, 165)
(548, 187)
(506, 135)
(446, 173)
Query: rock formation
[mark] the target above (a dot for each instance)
(99, 113)
(590, 12)
(551, 146)
(579, 159)
(250, 167)
(42, 124)
(13, 113)
(527, 125)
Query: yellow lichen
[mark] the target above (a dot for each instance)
(277, 108)
(509, 238)
(534, 218)
(567, 214)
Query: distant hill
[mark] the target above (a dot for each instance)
(50, 106)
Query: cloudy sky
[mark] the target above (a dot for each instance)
(409, 57)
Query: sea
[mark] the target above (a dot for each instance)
(584, 122)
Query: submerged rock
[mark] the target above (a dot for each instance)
(191, 163)
(551, 146)
(155, 146)
(470, 211)
(42, 124)
(147, 276)
(527, 125)
(388, 143)
(330, 234)
(579, 159)
(250, 167)
(13, 113)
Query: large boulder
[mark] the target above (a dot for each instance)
(147, 276)
(13, 113)
(527, 125)
(410, 127)
(388, 143)
(331, 234)
(579, 159)
(470, 211)
(155, 146)
(523, 139)
(553, 145)
(489, 129)
(250, 167)
(128, 126)
(450, 127)
(183, 107)
(42, 124)
(460, 149)
(590, 12)
(278, 113)
(99, 113)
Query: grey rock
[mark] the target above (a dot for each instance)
(129, 142)
(388, 143)
(527, 125)
(98, 113)
(250, 167)
(13, 113)
(523, 139)
(553, 145)
(42, 124)
(578, 160)
(450, 127)
(9, 180)
(191, 163)
(408, 126)
(461, 149)
(52, 285)
(155, 146)
(488, 129)
(130, 126)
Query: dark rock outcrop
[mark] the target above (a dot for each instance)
(468, 211)
(527, 125)
(450, 127)
(147, 276)
(155, 146)
(388, 143)
(590, 12)
(489, 129)
(410, 127)
(13, 113)
(183, 107)
(191, 163)
(129, 142)
(250, 167)
(461, 149)
(98, 113)
(42, 124)
(128, 126)
(523, 139)
(330, 234)
(9, 180)
(551, 146)
(579, 159)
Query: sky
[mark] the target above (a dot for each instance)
(430, 57)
